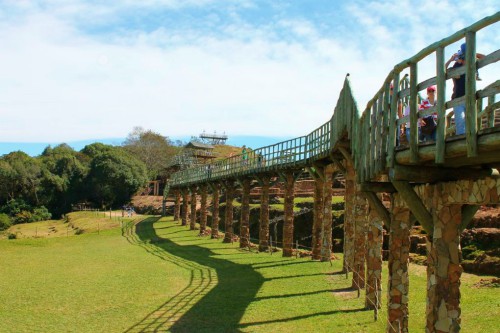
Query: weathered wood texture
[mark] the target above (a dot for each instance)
(245, 214)
(264, 215)
(288, 222)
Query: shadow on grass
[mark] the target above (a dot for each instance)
(216, 297)
(218, 291)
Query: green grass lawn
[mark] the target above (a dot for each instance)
(161, 276)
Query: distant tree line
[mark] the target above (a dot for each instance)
(46, 186)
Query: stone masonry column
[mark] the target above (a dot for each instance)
(444, 271)
(203, 209)
(228, 233)
(185, 206)
(374, 261)
(215, 211)
(349, 223)
(264, 215)
(245, 214)
(288, 222)
(192, 225)
(318, 210)
(360, 223)
(177, 205)
(326, 230)
(398, 282)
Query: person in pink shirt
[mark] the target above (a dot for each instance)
(428, 123)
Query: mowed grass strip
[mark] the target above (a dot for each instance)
(161, 276)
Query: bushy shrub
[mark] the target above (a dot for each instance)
(40, 214)
(5, 221)
(11, 236)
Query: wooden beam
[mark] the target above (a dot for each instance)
(468, 212)
(377, 187)
(346, 155)
(379, 207)
(320, 171)
(416, 205)
(470, 95)
(423, 174)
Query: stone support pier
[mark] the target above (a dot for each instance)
(360, 228)
(288, 222)
(185, 206)
(444, 271)
(192, 225)
(398, 283)
(349, 223)
(177, 205)
(245, 214)
(318, 211)
(203, 209)
(374, 261)
(215, 211)
(228, 232)
(326, 230)
(264, 215)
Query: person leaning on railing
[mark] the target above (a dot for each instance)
(459, 87)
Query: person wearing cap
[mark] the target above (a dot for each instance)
(428, 123)
(459, 87)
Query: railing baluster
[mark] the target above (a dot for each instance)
(470, 95)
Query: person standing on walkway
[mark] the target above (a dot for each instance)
(459, 87)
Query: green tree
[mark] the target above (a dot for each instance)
(115, 176)
(63, 177)
(153, 149)
(21, 176)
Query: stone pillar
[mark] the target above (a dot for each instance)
(398, 283)
(177, 205)
(245, 214)
(203, 209)
(374, 261)
(192, 225)
(288, 222)
(444, 271)
(215, 211)
(349, 224)
(228, 233)
(264, 215)
(358, 276)
(317, 218)
(326, 230)
(185, 206)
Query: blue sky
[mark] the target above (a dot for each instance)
(78, 71)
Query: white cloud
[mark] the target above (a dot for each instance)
(61, 83)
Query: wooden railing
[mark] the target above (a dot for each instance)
(372, 135)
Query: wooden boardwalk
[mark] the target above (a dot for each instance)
(440, 184)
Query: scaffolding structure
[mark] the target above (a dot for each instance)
(214, 139)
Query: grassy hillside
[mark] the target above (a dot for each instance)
(161, 275)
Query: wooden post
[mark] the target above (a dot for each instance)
(374, 261)
(185, 202)
(359, 214)
(228, 232)
(245, 214)
(264, 215)
(192, 225)
(203, 209)
(317, 218)
(440, 106)
(288, 222)
(392, 122)
(413, 114)
(470, 95)
(326, 230)
(215, 211)
(177, 205)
